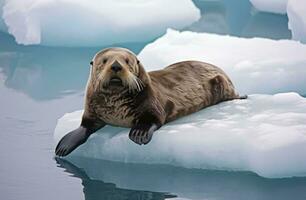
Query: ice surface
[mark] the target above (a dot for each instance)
(95, 22)
(255, 65)
(274, 6)
(265, 134)
(296, 12)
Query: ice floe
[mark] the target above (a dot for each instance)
(256, 65)
(274, 6)
(96, 22)
(265, 134)
(296, 12)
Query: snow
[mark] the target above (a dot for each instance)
(274, 6)
(296, 12)
(265, 134)
(94, 23)
(256, 65)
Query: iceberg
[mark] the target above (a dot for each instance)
(273, 6)
(94, 23)
(237, 18)
(2, 24)
(255, 65)
(265, 134)
(296, 11)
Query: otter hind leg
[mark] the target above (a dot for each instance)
(218, 88)
(222, 89)
(142, 133)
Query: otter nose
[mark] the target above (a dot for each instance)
(116, 67)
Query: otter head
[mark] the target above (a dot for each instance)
(118, 69)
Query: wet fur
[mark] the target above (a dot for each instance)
(187, 87)
(178, 90)
(165, 95)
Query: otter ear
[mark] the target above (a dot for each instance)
(91, 63)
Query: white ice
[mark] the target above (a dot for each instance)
(256, 65)
(2, 24)
(296, 12)
(95, 22)
(274, 6)
(265, 134)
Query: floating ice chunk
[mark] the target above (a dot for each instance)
(265, 134)
(296, 12)
(274, 6)
(96, 22)
(255, 65)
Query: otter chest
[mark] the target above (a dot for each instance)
(115, 110)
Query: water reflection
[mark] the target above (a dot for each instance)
(98, 189)
(185, 183)
(45, 73)
(239, 18)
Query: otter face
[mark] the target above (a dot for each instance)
(116, 68)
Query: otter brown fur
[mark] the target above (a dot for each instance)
(121, 93)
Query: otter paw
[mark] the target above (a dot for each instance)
(70, 142)
(142, 133)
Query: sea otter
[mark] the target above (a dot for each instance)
(121, 93)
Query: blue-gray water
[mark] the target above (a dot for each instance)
(39, 84)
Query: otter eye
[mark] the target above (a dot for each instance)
(127, 61)
(137, 62)
(104, 61)
(91, 63)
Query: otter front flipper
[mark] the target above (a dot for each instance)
(71, 141)
(142, 133)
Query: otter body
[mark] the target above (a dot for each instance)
(190, 86)
(121, 93)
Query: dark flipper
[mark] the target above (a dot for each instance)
(77, 137)
(142, 133)
(71, 141)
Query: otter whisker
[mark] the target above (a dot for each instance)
(103, 80)
(99, 82)
(130, 83)
(140, 82)
(137, 84)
